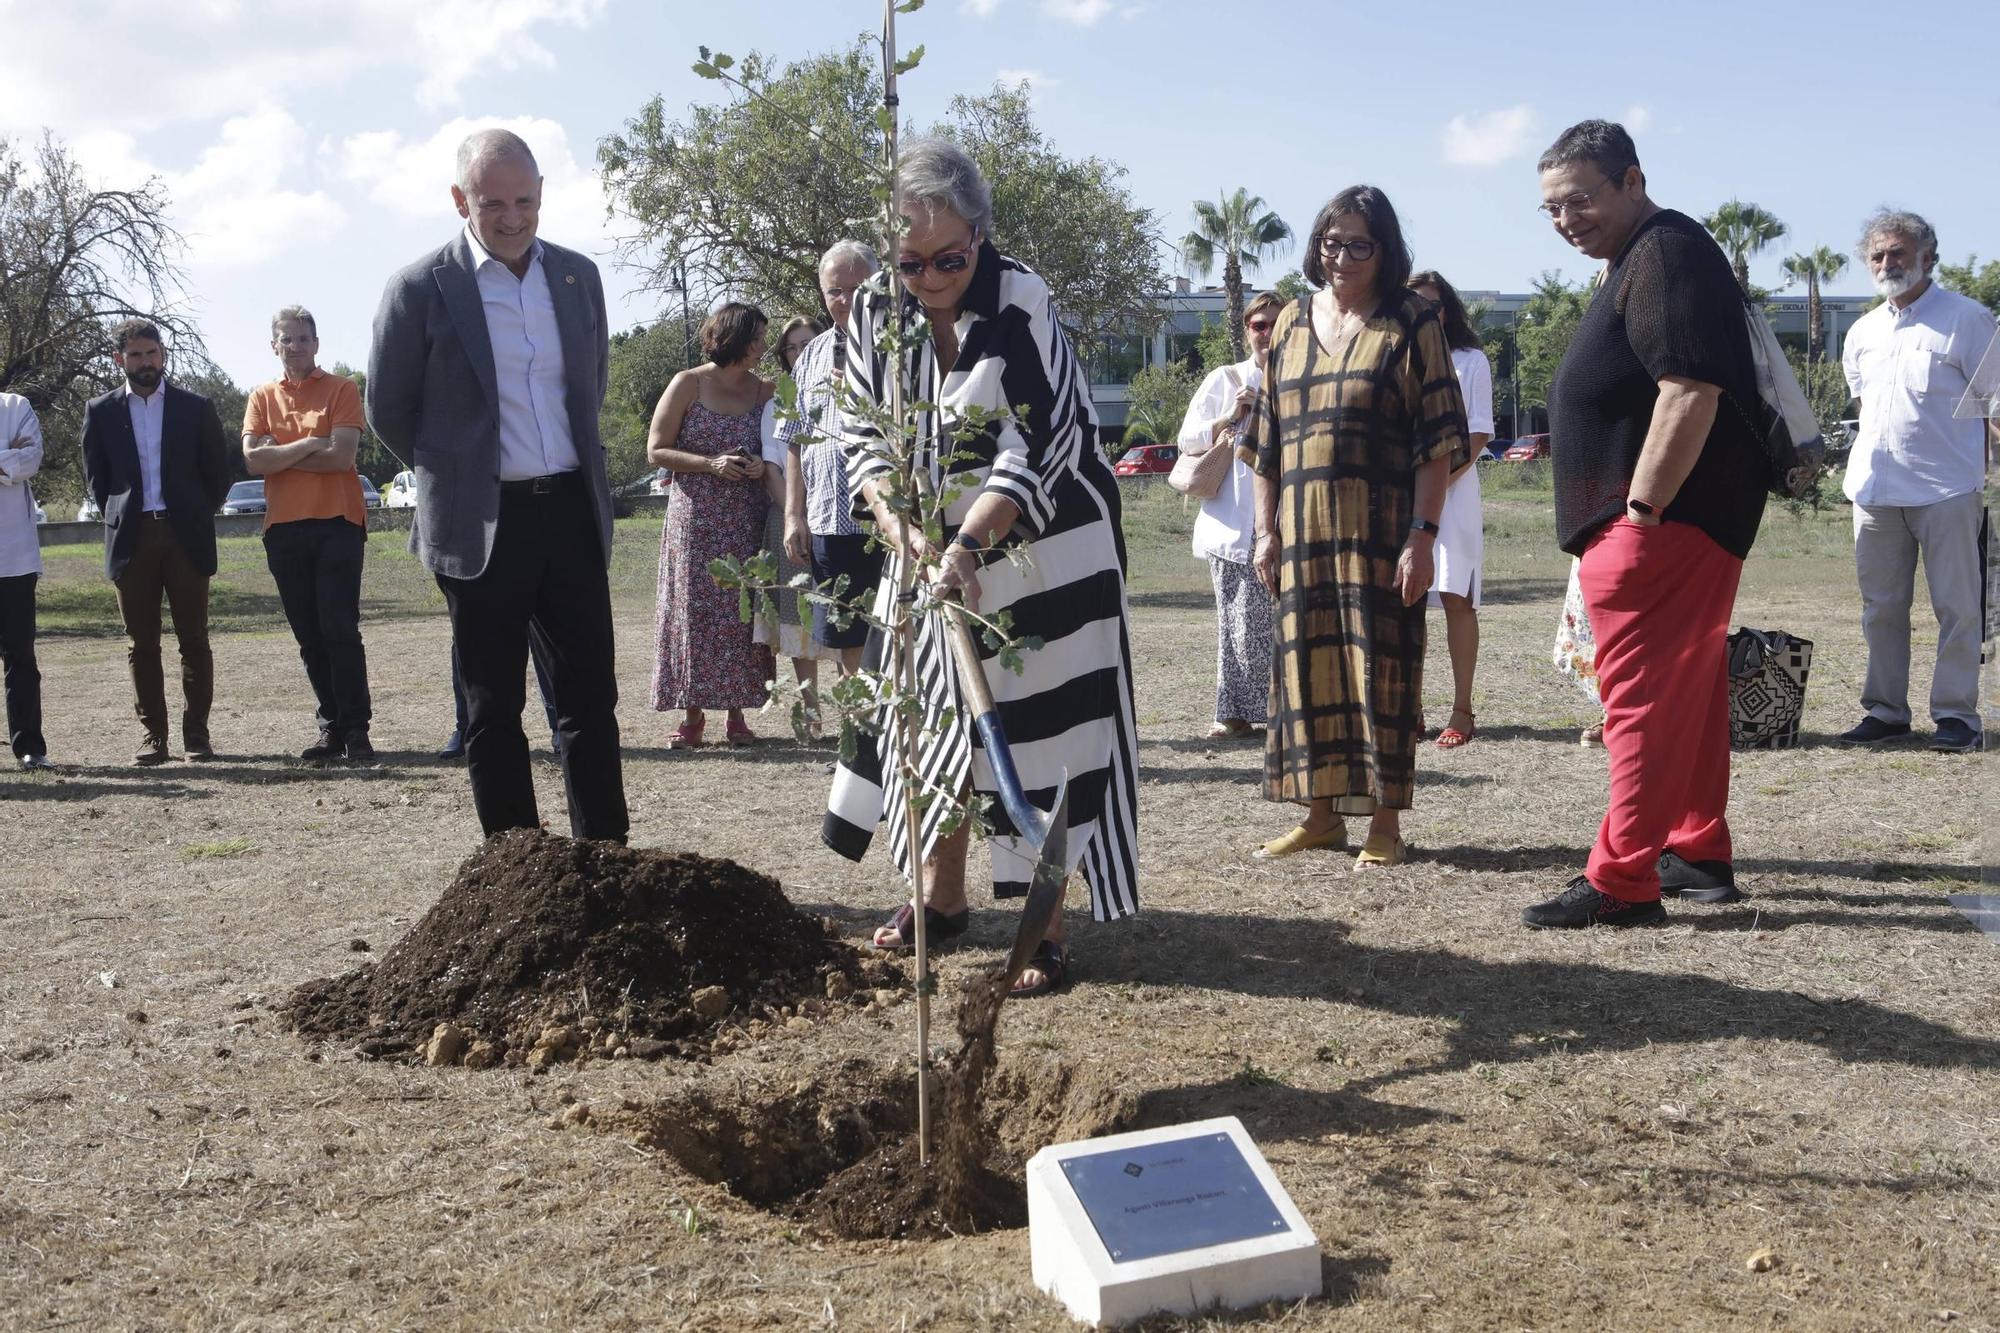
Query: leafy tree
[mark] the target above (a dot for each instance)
(744, 197)
(373, 458)
(1544, 328)
(1292, 286)
(1743, 230)
(643, 361)
(1215, 347)
(75, 260)
(1238, 230)
(1981, 284)
(1069, 219)
(1159, 400)
(214, 384)
(1813, 268)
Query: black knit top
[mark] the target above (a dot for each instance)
(1668, 305)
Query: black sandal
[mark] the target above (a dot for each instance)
(1052, 961)
(939, 926)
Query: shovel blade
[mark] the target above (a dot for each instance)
(1045, 891)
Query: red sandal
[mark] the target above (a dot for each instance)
(687, 736)
(1451, 737)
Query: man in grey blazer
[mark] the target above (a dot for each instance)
(490, 362)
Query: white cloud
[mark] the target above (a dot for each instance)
(1081, 13)
(1034, 78)
(979, 9)
(413, 177)
(1638, 119)
(1489, 139)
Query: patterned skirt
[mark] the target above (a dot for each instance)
(1242, 643)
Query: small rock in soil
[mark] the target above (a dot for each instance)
(446, 1046)
(710, 1002)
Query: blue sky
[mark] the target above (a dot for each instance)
(308, 151)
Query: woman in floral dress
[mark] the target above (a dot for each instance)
(707, 431)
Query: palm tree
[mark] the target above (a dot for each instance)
(1238, 229)
(1813, 268)
(1742, 230)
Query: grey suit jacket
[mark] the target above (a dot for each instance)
(432, 396)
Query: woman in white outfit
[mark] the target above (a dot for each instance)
(1223, 531)
(1461, 541)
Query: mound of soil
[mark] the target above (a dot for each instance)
(545, 949)
(838, 1152)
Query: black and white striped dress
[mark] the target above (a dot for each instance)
(1070, 708)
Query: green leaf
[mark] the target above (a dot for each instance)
(707, 71)
(910, 61)
(909, 6)
(724, 61)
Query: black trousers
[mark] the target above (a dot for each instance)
(316, 563)
(17, 658)
(545, 591)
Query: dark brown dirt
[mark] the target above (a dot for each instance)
(838, 1153)
(549, 949)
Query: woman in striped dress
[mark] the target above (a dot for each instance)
(1031, 529)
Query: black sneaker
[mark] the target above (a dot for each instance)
(325, 748)
(454, 746)
(1872, 730)
(1954, 736)
(198, 746)
(1698, 881)
(1580, 904)
(358, 748)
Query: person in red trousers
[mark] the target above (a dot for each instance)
(1659, 491)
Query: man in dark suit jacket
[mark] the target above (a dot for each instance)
(490, 362)
(155, 461)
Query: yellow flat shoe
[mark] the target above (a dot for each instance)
(1298, 840)
(1381, 851)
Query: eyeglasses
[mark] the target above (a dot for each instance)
(944, 261)
(1571, 203)
(1360, 251)
(1259, 325)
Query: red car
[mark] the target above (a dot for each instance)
(1145, 459)
(1528, 447)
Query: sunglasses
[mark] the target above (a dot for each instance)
(1259, 325)
(944, 261)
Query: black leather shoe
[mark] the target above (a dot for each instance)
(1580, 904)
(454, 747)
(1955, 737)
(152, 750)
(198, 747)
(1872, 730)
(36, 762)
(358, 748)
(1698, 881)
(325, 748)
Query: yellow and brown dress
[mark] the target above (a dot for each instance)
(1342, 434)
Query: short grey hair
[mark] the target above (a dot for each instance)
(939, 174)
(843, 253)
(289, 313)
(1903, 223)
(482, 148)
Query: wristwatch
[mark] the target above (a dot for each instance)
(968, 541)
(1424, 525)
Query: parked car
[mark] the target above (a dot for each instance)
(1527, 448)
(402, 492)
(660, 482)
(370, 497)
(1496, 450)
(1143, 460)
(245, 497)
(87, 512)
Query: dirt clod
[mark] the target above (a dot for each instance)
(539, 940)
(446, 1046)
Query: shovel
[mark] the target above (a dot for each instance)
(1047, 833)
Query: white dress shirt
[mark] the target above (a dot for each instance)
(20, 544)
(829, 508)
(1909, 368)
(528, 367)
(1226, 526)
(149, 415)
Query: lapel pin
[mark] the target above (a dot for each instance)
(570, 278)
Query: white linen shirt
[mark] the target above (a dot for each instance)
(149, 416)
(1909, 368)
(829, 508)
(20, 544)
(527, 366)
(1226, 526)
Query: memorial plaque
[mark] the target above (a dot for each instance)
(1164, 1198)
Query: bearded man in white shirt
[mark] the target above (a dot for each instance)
(1915, 476)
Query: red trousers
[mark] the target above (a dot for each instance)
(1660, 599)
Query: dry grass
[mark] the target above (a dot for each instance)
(1487, 1128)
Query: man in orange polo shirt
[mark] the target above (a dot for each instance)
(300, 432)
